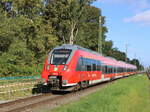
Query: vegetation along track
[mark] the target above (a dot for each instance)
(47, 101)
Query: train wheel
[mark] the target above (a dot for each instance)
(77, 87)
(84, 84)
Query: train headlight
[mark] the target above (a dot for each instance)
(64, 82)
(65, 68)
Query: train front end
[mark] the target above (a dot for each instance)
(58, 69)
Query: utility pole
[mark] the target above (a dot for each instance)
(126, 47)
(100, 35)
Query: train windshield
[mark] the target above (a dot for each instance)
(60, 56)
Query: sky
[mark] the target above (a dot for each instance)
(128, 23)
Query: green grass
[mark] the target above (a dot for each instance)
(131, 94)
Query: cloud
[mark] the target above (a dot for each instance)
(142, 18)
(140, 9)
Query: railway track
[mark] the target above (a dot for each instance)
(23, 104)
(47, 101)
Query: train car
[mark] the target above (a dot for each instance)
(71, 67)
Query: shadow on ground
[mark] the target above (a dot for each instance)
(40, 88)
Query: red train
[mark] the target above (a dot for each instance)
(70, 67)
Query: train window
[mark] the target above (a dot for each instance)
(79, 65)
(123, 69)
(85, 64)
(109, 70)
(119, 70)
(93, 67)
(60, 56)
(115, 70)
(103, 69)
(106, 70)
(88, 65)
(98, 65)
(82, 64)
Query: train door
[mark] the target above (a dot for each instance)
(84, 73)
(103, 73)
(81, 69)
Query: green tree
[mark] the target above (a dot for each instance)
(88, 29)
(25, 38)
(137, 63)
(66, 17)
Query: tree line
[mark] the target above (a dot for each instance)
(29, 29)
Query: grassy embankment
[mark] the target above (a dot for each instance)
(126, 95)
(20, 85)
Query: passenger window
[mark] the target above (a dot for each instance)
(88, 62)
(103, 69)
(80, 65)
(78, 68)
(94, 67)
(106, 70)
(98, 66)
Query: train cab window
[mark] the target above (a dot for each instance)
(60, 56)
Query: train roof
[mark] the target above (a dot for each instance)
(76, 47)
(106, 60)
